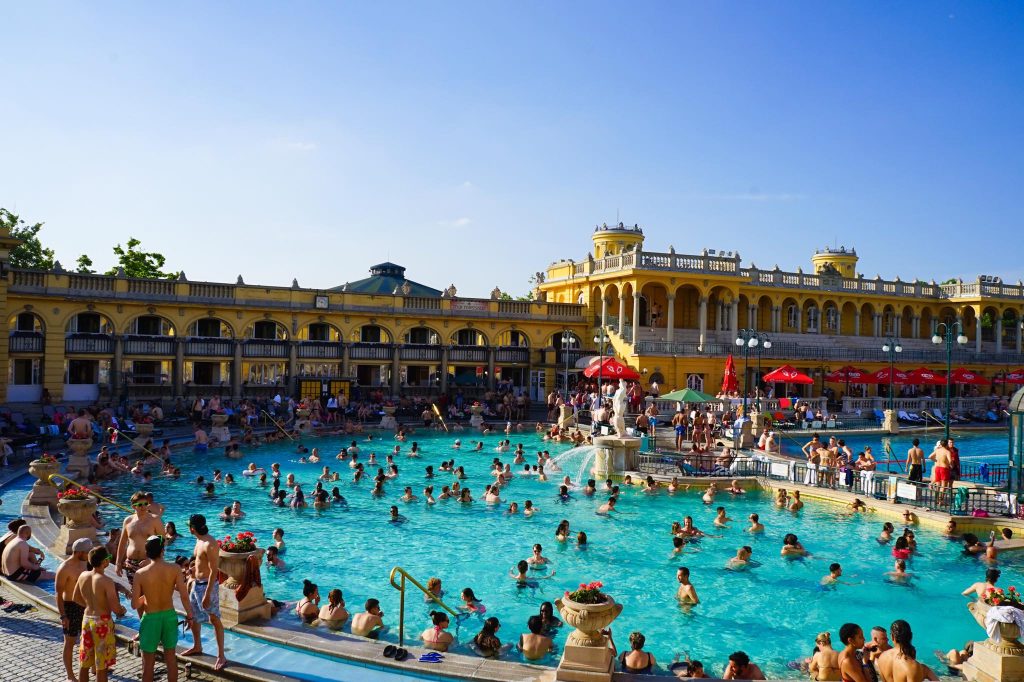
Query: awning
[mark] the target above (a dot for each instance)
(786, 375)
(611, 368)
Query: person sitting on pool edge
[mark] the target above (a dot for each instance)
(740, 668)
(333, 614)
(370, 622)
(308, 608)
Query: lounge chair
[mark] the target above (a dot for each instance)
(937, 413)
(880, 416)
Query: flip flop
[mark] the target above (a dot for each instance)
(431, 658)
(390, 651)
(401, 655)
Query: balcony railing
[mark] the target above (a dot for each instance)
(264, 348)
(420, 353)
(512, 355)
(25, 342)
(149, 345)
(319, 350)
(468, 354)
(218, 348)
(89, 343)
(371, 351)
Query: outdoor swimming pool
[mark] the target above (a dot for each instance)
(772, 611)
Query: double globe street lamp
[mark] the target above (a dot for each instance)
(568, 341)
(892, 347)
(751, 339)
(948, 329)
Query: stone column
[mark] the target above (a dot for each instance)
(999, 335)
(734, 315)
(799, 318)
(977, 335)
(346, 361)
(752, 317)
(776, 319)
(396, 369)
(671, 317)
(636, 316)
(178, 373)
(236, 372)
(622, 312)
(1017, 337)
(899, 326)
(856, 323)
(702, 321)
(839, 321)
(116, 376)
(604, 311)
(876, 329)
(490, 365)
(293, 367)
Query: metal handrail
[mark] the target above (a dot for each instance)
(398, 570)
(277, 424)
(438, 413)
(62, 477)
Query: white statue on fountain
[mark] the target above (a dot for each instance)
(619, 406)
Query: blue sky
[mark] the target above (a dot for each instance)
(476, 142)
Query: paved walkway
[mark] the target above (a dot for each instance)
(32, 645)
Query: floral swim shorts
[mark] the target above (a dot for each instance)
(97, 649)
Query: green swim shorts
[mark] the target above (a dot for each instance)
(158, 628)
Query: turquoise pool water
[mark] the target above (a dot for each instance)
(772, 611)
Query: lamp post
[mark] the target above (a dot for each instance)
(892, 347)
(748, 339)
(601, 341)
(948, 329)
(568, 340)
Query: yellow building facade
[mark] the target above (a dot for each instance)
(82, 338)
(675, 317)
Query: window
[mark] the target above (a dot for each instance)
(370, 334)
(25, 371)
(150, 325)
(319, 331)
(792, 317)
(266, 330)
(695, 382)
(467, 337)
(421, 335)
(832, 318)
(27, 322)
(87, 323)
(82, 372)
(813, 317)
(208, 327)
(889, 324)
(517, 339)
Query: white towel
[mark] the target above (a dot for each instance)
(1002, 614)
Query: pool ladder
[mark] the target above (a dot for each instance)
(62, 477)
(398, 579)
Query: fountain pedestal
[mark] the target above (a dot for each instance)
(476, 420)
(144, 431)
(220, 430)
(992, 661)
(615, 455)
(79, 466)
(388, 420)
(890, 424)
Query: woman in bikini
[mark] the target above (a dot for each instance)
(333, 614)
(825, 662)
(636, 661)
(308, 607)
(437, 637)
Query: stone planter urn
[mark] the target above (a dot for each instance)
(79, 465)
(77, 523)
(389, 409)
(992, 660)
(302, 423)
(587, 654)
(219, 419)
(144, 432)
(242, 601)
(43, 492)
(302, 413)
(476, 419)
(219, 432)
(588, 619)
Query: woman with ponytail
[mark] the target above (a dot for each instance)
(437, 637)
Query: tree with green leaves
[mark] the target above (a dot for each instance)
(84, 265)
(30, 253)
(139, 263)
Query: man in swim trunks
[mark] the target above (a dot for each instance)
(18, 561)
(97, 649)
(687, 593)
(978, 590)
(204, 595)
(915, 462)
(70, 611)
(202, 440)
(153, 595)
(942, 472)
(679, 424)
(81, 426)
(137, 526)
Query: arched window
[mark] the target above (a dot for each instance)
(695, 381)
(792, 316)
(832, 318)
(813, 318)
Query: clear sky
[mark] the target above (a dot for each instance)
(476, 142)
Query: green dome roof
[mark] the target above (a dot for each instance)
(384, 279)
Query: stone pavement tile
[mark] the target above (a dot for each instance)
(31, 644)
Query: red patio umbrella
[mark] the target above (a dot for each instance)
(729, 382)
(612, 369)
(786, 375)
(898, 376)
(924, 376)
(851, 375)
(966, 376)
(1014, 377)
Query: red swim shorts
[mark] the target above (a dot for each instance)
(942, 475)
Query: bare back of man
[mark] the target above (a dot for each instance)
(153, 594)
